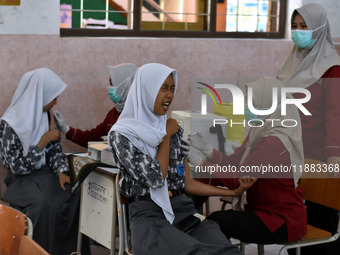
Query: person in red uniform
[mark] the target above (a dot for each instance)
(314, 64)
(274, 212)
(121, 77)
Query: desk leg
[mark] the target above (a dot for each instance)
(114, 220)
(79, 227)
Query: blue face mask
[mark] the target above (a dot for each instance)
(303, 38)
(251, 116)
(112, 94)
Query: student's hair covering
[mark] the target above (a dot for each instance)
(142, 126)
(25, 114)
(304, 67)
(121, 77)
(289, 136)
(138, 122)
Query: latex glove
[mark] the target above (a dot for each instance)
(197, 141)
(228, 148)
(185, 145)
(193, 157)
(60, 123)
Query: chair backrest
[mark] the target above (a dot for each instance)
(323, 190)
(14, 225)
(123, 199)
(3, 173)
(29, 247)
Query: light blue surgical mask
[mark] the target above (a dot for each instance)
(303, 38)
(251, 116)
(112, 94)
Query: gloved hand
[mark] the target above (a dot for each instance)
(60, 123)
(192, 156)
(197, 141)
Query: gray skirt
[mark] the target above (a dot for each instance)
(53, 211)
(153, 234)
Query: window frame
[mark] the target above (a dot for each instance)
(212, 33)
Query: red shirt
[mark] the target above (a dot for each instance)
(83, 137)
(321, 130)
(274, 200)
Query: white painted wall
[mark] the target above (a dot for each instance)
(333, 8)
(31, 17)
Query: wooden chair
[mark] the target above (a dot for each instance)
(29, 247)
(15, 227)
(124, 231)
(324, 191)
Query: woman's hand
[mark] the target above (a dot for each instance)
(49, 136)
(52, 135)
(171, 127)
(63, 179)
(198, 142)
(245, 183)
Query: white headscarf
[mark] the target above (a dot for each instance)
(291, 137)
(25, 114)
(121, 77)
(142, 126)
(304, 67)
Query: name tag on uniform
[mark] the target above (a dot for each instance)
(180, 170)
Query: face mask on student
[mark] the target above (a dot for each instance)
(251, 116)
(112, 94)
(303, 38)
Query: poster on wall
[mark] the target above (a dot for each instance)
(9, 2)
(65, 16)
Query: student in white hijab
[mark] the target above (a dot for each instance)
(315, 65)
(155, 174)
(275, 212)
(31, 152)
(121, 77)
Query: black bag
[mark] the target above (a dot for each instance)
(188, 224)
(80, 168)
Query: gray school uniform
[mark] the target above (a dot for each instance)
(37, 192)
(151, 232)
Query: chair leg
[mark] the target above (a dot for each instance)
(207, 207)
(243, 247)
(298, 251)
(260, 249)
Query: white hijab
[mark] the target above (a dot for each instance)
(25, 114)
(304, 67)
(142, 126)
(121, 77)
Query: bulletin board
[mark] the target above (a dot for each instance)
(9, 2)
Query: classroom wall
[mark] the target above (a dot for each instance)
(82, 64)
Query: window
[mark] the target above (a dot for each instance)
(173, 18)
